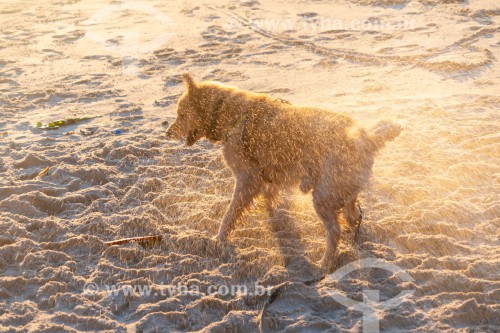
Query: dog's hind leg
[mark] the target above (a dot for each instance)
(326, 208)
(352, 212)
(247, 188)
(354, 216)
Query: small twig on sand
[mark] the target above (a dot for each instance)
(144, 241)
(43, 172)
(276, 292)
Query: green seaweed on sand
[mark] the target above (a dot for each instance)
(62, 122)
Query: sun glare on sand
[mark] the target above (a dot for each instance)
(432, 207)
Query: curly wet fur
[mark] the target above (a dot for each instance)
(270, 146)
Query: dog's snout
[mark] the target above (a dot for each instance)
(173, 132)
(168, 134)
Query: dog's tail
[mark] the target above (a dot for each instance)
(382, 132)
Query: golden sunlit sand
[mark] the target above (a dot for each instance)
(432, 208)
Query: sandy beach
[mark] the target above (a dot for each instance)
(432, 209)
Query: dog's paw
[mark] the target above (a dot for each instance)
(219, 239)
(323, 265)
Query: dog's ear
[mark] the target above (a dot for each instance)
(188, 80)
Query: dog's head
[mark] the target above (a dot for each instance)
(190, 122)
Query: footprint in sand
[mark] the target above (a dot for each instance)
(210, 17)
(3, 63)
(70, 37)
(166, 101)
(250, 3)
(221, 44)
(11, 72)
(48, 97)
(172, 80)
(53, 54)
(190, 12)
(7, 84)
(171, 57)
(482, 17)
(216, 33)
(100, 57)
(225, 76)
(309, 16)
(93, 80)
(242, 39)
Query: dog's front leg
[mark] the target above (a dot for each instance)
(247, 188)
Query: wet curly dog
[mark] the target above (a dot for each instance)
(271, 145)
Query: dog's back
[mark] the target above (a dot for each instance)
(290, 143)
